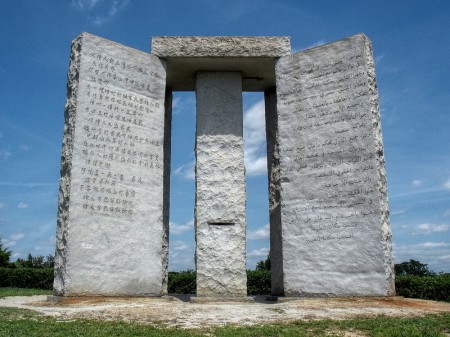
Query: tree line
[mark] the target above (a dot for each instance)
(30, 262)
(413, 278)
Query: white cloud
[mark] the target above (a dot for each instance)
(84, 4)
(180, 246)
(316, 44)
(398, 212)
(447, 184)
(180, 229)
(11, 240)
(111, 13)
(181, 256)
(8, 183)
(17, 236)
(262, 252)
(261, 233)
(416, 183)
(22, 205)
(255, 140)
(427, 228)
(433, 244)
(256, 167)
(434, 254)
(378, 58)
(186, 171)
(5, 154)
(176, 103)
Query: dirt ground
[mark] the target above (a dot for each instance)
(179, 312)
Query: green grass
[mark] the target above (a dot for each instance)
(19, 322)
(23, 292)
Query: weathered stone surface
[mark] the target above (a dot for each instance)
(253, 56)
(273, 171)
(111, 239)
(336, 238)
(221, 46)
(220, 218)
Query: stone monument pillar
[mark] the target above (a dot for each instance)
(329, 218)
(219, 68)
(112, 226)
(330, 212)
(220, 219)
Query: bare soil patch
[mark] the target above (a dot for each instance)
(178, 312)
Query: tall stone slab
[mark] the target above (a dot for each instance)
(220, 219)
(332, 201)
(112, 216)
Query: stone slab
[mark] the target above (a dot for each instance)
(253, 56)
(220, 218)
(336, 237)
(221, 46)
(111, 237)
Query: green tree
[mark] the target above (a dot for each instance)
(412, 267)
(49, 261)
(264, 265)
(5, 254)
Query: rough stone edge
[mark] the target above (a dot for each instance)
(70, 114)
(166, 189)
(217, 46)
(381, 165)
(273, 173)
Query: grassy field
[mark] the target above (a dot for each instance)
(20, 322)
(23, 292)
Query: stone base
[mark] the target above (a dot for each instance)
(74, 299)
(246, 299)
(282, 299)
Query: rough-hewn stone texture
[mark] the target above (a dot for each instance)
(336, 238)
(221, 46)
(111, 235)
(220, 218)
(253, 56)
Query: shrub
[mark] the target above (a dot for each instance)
(41, 278)
(435, 287)
(183, 282)
(258, 282)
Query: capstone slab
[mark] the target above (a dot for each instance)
(220, 218)
(111, 237)
(336, 238)
(220, 46)
(253, 56)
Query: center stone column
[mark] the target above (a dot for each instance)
(220, 218)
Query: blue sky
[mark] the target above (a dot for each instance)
(411, 41)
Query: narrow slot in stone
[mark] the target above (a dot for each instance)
(221, 223)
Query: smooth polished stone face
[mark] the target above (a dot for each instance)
(336, 238)
(111, 239)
